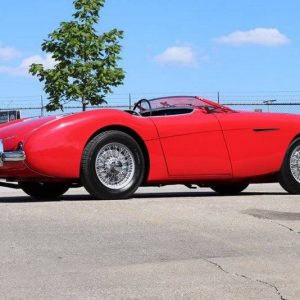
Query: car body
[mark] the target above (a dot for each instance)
(170, 140)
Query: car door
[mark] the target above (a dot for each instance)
(256, 142)
(193, 145)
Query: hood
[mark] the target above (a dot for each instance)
(15, 132)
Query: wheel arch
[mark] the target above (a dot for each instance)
(288, 142)
(295, 138)
(135, 136)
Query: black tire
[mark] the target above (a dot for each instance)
(100, 185)
(229, 188)
(286, 178)
(44, 190)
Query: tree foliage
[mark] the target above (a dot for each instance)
(86, 63)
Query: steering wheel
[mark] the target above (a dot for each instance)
(139, 106)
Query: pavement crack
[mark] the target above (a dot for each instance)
(284, 226)
(272, 286)
(246, 277)
(216, 265)
(279, 224)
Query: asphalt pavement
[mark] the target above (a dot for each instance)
(164, 243)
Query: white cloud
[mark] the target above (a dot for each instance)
(182, 56)
(258, 36)
(8, 53)
(22, 69)
(47, 61)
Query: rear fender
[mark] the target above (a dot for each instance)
(56, 148)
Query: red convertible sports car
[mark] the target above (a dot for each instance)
(170, 140)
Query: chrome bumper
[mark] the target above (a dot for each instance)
(18, 155)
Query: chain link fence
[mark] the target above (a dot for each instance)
(276, 102)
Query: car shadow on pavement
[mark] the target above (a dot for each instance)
(87, 197)
(27, 199)
(200, 194)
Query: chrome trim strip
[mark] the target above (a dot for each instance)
(18, 155)
(1, 152)
(14, 156)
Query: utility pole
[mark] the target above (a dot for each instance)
(42, 106)
(268, 103)
(218, 97)
(129, 101)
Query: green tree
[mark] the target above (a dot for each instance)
(86, 63)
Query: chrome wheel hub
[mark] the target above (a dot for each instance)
(115, 166)
(295, 163)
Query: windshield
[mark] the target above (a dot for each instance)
(186, 101)
(176, 101)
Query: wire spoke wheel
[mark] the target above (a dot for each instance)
(115, 165)
(289, 175)
(295, 163)
(112, 166)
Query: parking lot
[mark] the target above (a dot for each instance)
(165, 243)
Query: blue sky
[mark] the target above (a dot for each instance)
(173, 47)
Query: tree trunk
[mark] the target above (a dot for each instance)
(83, 104)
